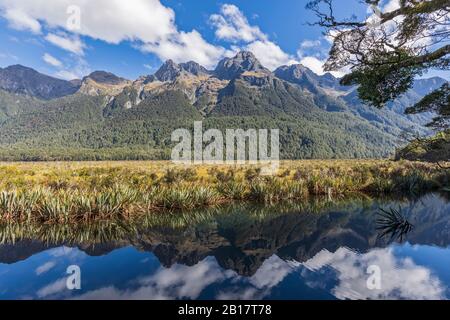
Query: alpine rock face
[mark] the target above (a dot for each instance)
(316, 115)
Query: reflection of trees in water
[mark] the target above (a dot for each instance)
(119, 230)
(241, 237)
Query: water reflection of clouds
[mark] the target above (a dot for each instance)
(63, 251)
(57, 257)
(52, 289)
(400, 277)
(268, 276)
(344, 269)
(176, 282)
(45, 267)
(181, 281)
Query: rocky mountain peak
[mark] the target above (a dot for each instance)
(103, 83)
(294, 70)
(24, 80)
(168, 71)
(194, 68)
(104, 77)
(306, 78)
(230, 68)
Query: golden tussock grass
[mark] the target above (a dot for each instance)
(57, 192)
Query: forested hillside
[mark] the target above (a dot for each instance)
(109, 117)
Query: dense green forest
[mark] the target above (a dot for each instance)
(110, 118)
(75, 127)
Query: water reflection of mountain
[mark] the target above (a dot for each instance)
(241, 238)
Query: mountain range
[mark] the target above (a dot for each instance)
(238, 243)
(103, 116)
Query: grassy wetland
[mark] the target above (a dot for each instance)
(77, 192)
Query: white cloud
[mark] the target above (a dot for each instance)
(77, 69)
(306, 44)
(20, 20)
(45, 267)
(148, 24)
(71, 44)
(269, 54)
(51, 60)
(110, 20)
(233, 26)
(185, 46)
(316, 65)
(67, 75)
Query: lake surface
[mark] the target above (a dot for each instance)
(320, 250)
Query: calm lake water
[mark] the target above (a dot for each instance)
(319, 250)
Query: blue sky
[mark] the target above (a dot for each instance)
(131, 38)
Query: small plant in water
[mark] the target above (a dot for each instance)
(393, 222)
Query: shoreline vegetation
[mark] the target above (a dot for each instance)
(240, 215)
(81, 192)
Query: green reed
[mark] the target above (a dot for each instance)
(60, 195)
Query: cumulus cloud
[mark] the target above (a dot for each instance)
(317, 66)
(65, 42)
(149, 26)
(147, 23)
(111, 21)
(270, 54)
(51, 60)
(233, 26)
(185, 46)
(20, 20)
(313, 63)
